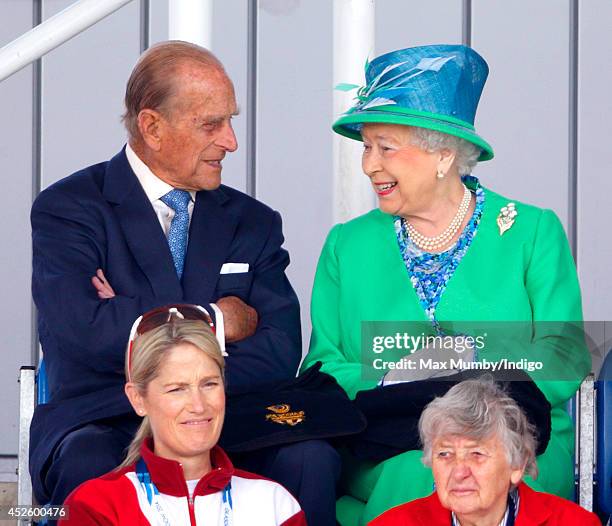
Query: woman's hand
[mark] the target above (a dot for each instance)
(433, 361)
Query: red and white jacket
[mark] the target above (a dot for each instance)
(119, 498)
(535, 509)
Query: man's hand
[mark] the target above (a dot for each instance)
(239, 318)
(102, 286)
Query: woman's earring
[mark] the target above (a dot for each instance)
(440, 174)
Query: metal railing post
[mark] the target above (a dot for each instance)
(353, 45)
(191, 20)
(586, 442)
(27, 383)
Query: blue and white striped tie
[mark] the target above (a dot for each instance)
(178, 234)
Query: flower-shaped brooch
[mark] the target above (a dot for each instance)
(507, 216)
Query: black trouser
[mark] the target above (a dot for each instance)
(87, 453)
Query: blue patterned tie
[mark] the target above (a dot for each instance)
(179, 201)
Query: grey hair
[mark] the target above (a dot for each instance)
(480, 409)
(466, 153)
(154, 81)
(148, 354)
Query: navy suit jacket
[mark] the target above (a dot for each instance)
(100, 217)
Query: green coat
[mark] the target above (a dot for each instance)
(526, 275)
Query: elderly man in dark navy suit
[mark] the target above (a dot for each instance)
(154, 226)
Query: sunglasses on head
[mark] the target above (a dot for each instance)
(160, 316)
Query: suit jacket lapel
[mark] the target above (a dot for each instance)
(210, 235)
(141, 227)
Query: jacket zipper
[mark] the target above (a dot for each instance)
(192, 518)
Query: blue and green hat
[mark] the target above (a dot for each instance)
(436, 87)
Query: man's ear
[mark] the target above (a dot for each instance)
(135, 398)
(149, 125)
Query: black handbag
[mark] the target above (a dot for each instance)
(311, 406)
(393, 412)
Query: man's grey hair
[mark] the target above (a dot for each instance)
(153, 81)
(479, 410)
(466, 153)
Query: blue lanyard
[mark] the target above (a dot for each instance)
(142, 472)
(227, 505)
(511, 512)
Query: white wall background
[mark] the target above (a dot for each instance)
(548, 118)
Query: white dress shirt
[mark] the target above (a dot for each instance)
(155, 188)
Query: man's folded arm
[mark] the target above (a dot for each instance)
(273, 353)
(68, 247)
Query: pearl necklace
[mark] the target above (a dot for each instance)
(437, 242)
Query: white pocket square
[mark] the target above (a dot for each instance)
(234, 268)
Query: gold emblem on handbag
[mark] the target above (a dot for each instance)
(282, 414)
(507, 216)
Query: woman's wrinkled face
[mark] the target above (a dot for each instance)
(402, 175)
(473, 477)
(185, 404)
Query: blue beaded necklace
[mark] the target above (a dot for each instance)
(430, 273)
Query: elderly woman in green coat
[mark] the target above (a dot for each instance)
(446, 253)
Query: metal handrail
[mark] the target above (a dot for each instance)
(54, 32)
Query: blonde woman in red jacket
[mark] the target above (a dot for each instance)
(174, 473)
(479, 445)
